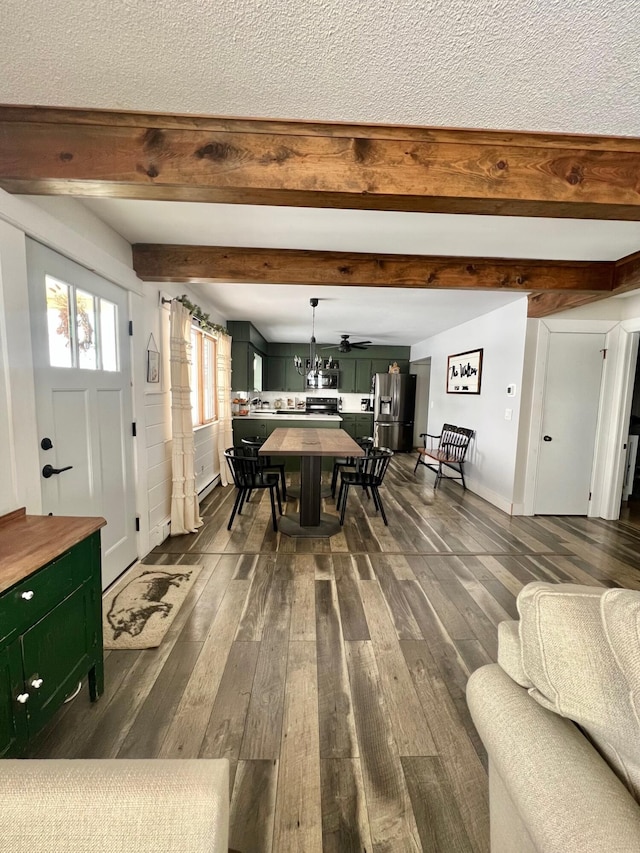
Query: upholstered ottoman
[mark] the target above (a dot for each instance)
(105, 805)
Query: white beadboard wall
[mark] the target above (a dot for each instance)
(158, 415)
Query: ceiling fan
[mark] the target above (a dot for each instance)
(346, 345)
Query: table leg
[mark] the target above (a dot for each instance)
(311, 521)
(310, 477)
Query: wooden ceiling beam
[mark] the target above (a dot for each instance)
(625, 277)
(206, 264)
(193, 158)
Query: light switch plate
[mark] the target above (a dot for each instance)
(507, 414)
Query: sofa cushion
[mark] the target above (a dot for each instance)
(580, 649)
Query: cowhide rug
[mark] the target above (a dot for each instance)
(140, 607)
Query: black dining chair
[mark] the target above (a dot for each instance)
(247, 476)
(348, 461)
(254, 443)
(368, 473)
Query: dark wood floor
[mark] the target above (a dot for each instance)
(331, 672)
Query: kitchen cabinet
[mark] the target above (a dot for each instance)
(347, 379)
(50, 620)
(363, 376)
(248, 428)
(276, 377)
(349, 424)
(363, 426)
(357, 425)
(243, 376)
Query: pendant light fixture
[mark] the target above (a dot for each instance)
(310, 367)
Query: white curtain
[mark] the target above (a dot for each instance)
(185, 514)
(224, 433)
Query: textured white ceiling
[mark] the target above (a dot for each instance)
(552, 65)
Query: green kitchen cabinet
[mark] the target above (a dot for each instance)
(50, 620)
(347, 379)
(13, 719)
(243, 367)
(294, 383)
(363, 375)
(276, 378)
(363, 426)
(247, 428)
(349, 424)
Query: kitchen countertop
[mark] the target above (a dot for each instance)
(292, 415)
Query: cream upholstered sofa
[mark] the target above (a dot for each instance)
(104, 805)
(559, 715)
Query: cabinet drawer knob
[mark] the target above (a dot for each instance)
(22, 698)
(37, 682)
(27, 595)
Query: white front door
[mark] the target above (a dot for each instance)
(79, 325)
(569, 423)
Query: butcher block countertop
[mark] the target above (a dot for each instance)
(310, 442)
(28, 542)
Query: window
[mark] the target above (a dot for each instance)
(203, 377)
(82, 328)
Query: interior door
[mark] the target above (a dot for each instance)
(79, 325)
(569, 422)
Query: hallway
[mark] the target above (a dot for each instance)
(331, 672)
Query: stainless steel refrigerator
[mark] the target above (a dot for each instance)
(394, 405)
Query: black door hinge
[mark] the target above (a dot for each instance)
(589, 495)
(604, 353)
(134, 430)
(137, 524)
(131, 328)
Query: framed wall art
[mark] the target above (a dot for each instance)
(464, 372)
(153, 361)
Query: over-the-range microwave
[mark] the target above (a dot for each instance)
(323, 379)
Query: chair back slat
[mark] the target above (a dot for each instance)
(454, 441)
(373, 466)
(243, 466)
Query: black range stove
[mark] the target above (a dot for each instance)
(322, 406)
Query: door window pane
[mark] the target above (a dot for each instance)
(86, 330)
(58, 323)
(108, 335)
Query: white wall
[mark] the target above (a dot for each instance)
(19, 459)
(490, 470)
(84, 221)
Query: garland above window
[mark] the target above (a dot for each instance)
(205, 323)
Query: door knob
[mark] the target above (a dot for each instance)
(547, 438)
(49, 470)
(46, 444)
(37, 682)
(22, 698)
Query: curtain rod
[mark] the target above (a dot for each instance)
(198, 313)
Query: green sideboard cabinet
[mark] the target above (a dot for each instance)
(50, 620)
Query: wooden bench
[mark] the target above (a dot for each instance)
(450, 452)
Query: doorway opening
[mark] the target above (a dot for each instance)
(630, 506)
(422, 370)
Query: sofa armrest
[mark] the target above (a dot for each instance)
(102, 805)
(566, 796)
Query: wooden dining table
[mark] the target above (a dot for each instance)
(310, 445)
